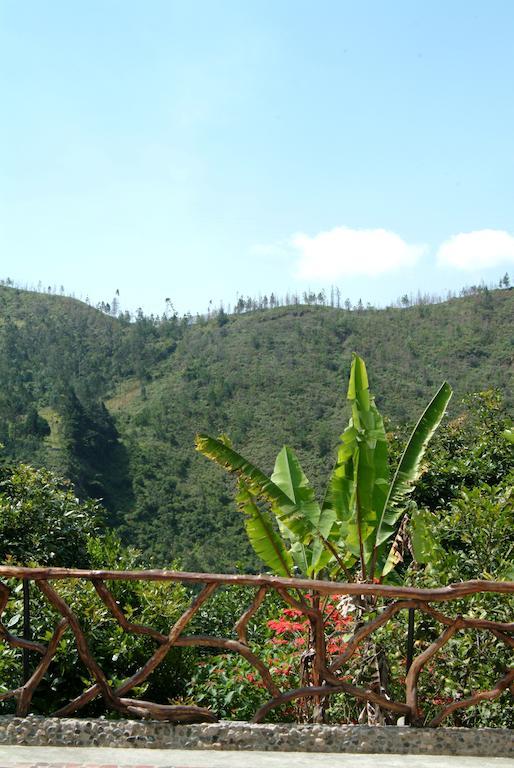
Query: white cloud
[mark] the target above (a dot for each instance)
(343, 251)
(477, 250)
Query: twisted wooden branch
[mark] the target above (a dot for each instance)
(438, 594)
(19, 642)
(237, 647)
(4, 596)
(140, 676)
(470, 623)
(82, 645)
(411, 681)
(25, 693)
(112, 605)
(368, 629)
(78, 702)
(15, 642)
(241, 624)
(157, 657)
(185, 641)
(175, 713)
(318, 632)
(509, 641)
(327, 690)
(302, 607)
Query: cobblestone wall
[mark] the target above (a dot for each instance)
(39, 731)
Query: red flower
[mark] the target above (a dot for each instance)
(336, 646)
(293, 613)
(281, 626)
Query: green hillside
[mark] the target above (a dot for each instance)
(266, 378)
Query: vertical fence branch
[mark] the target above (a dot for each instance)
(4, 597)
(27, 690)
(241, 624)
(411, 681)
(82, 645)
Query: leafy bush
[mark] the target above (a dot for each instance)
(157, 604)
(473, 539)
(43, 523)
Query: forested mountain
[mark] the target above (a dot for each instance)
(114, 404)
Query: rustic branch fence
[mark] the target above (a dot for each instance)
(303, 595)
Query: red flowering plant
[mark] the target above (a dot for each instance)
(232, 687)
(292, 632)
(292, 627)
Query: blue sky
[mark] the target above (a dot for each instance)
(198, 150)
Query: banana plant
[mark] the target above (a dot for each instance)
(354, 529)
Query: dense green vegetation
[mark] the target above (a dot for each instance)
(464, 497)
(267, 377)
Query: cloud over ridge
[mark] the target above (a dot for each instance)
(344, 251)
(480, 249)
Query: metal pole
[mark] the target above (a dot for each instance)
(26, 629)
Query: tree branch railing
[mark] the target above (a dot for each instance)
(327, 678)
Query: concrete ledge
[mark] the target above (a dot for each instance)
(57, 732)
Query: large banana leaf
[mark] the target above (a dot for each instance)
(408, 471)
(307, 526)
(340, 488)
(264, 539)
(289, 476)
(360, 512)
(258, 483)
(358, 485)
(292, 502)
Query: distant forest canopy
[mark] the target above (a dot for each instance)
(114, 402)
(333, 297)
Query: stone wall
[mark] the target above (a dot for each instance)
(40, 731)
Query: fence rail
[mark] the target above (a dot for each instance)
(305, 596)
